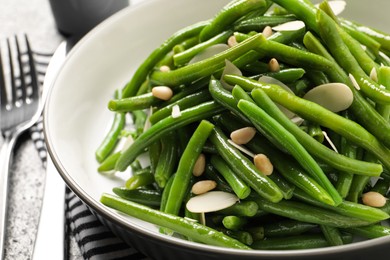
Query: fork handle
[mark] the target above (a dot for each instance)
(5, 162)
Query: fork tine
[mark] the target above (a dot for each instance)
(12, 72)
(22, 76)
(33, 73)
(3, 92)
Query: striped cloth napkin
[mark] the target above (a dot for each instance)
(94, 239)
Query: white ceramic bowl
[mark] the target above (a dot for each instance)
(76, 117)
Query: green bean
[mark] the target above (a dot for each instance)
(382, 186)
(186, 90)
(307, 213)
(234, 223)
(256, 67)
(212, 174)
(184, 103)
(209, 148)
(154, 151)
(315, 131)
(361, 108)
(241, 209)
(183, 226)
(185, 56)
(151, 198)
(242, 236)
(335, 41)
(165, 194)
(157, 130)
(292, 55)
(286, 76)
(133, 103)
(263, 122)
(287, 227)
(167, 160)
(296, 242)
(357, 186)
(108, 165)
(186, 164)
(205, 67)
(244, 168)
(111, 138)
(225, 98)
(382, 38)
(257, 232)
(228, 14)
(384, 79)
(286, 188)
(345, 179)
(364, 39)
(332, 235)
(346, 208)
(139, 180)
(260, 22)
(286, 165)
(144, 69)
(372, 231)
(301, 86)
(316, 113)
(302, 9)
(139, 119)
(386, 207)
(240, 188)
(145, 87)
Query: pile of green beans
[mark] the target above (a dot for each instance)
(323, 168)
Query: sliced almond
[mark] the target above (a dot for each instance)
(241, 148)
(162, 92)
(232, 41)
(337, 6)
(231, 69)
(374, 74)
(127, 143)
(335, 97)
(211, 201)
(176, 111)
(243, 135)
(374, 199)
(289, 26)
(201, 187)
(209, 52)
(354, 82)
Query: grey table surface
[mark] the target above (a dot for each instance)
(34, 18)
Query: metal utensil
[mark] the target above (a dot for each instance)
(49, 242)
(20, 102)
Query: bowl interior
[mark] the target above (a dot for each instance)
(76, 114)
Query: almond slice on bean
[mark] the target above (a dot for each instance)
(289, 26)
(335, 97)
(211, 201)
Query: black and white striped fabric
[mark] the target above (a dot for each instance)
(95, 240)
